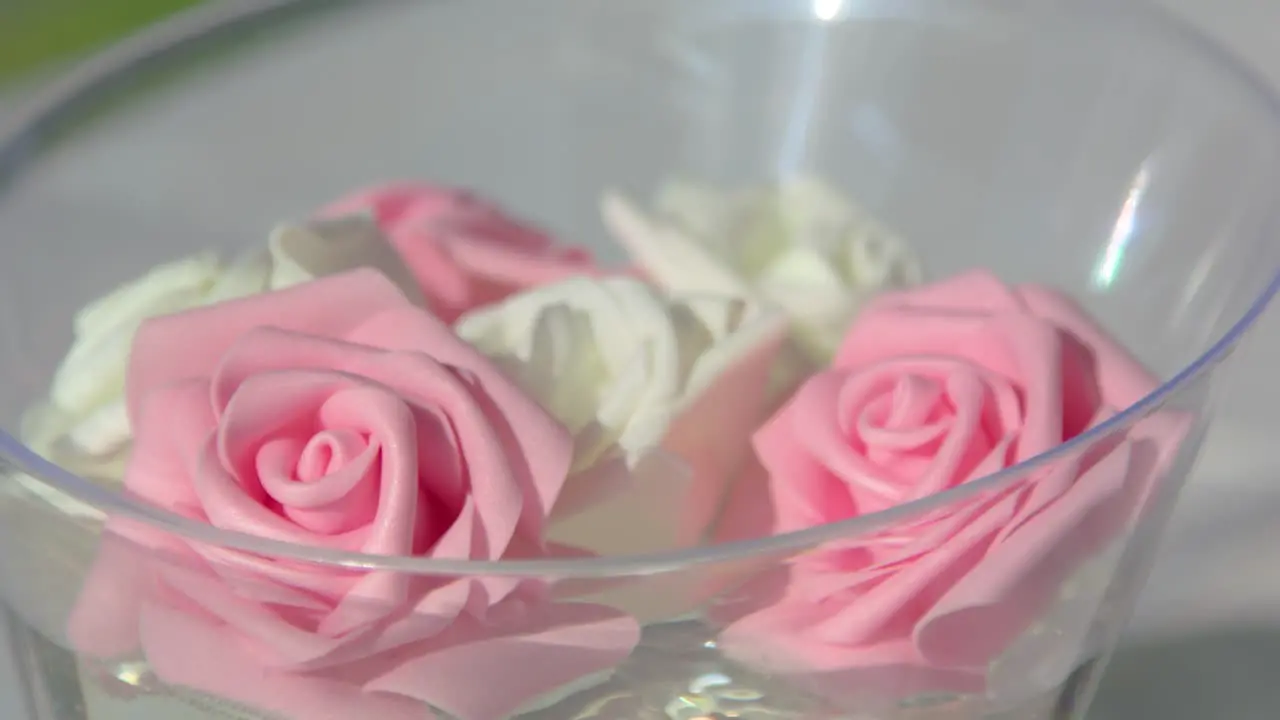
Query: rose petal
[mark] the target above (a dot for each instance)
(398, 518)
(221, 667)
(1120, 378)
(483, 428)
(104, 621)
(293, 475)
(558, 645)
(176, 422)
(803, 491)
(976, 291)
(435, 612)
(814, 416)
(985, 609)
(774, 642)
(888, 610)
(673, 260)
(229, 506)
(169, 287)
(1036, 347)
(191, 344)
(296, 575)
(883, 332)
(498, 264)
(464, 252)
(541, 447)
(392, 203)
(268, 630)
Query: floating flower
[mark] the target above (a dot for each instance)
(464, 251)
(338, 415)
(800, 246)
(933, 388)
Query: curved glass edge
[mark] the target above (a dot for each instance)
(96, 77)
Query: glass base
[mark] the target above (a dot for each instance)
(653, 685)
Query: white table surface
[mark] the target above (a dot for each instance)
(1205, 644)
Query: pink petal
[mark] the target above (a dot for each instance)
(187, 652)
(981, 614)
(804, 493)
(517, 270)
(440, 607)
(540, 448)
(463, 251)
(300, 577)
(815, 414)
(1121, 378)
(777, 640)
(892, 608)
(228, 506)
(398, 512)
(978, 291)
(390, 203)
(1036, 347)
(888, 333)
(446, 286)
(375, 596)
(278, 641)
(266, 363)
(191, 343)
(104, 620)
(475, 674)
(171, 429)
(962, 447)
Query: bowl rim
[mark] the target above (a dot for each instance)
(82, 85)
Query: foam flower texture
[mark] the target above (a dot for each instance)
(464, 252)
(640, 379)
(933, 388)
(336, 414)
(800, 246)
(83, 424)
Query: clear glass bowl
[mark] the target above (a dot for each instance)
(1095, 145)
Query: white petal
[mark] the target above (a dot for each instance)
(740, 330)
(875, 259)
(247, 275)
(304, 252)
(798, 274)
(644, 516)
(93, 371)
(657, 367)
(697, 209)
(160, 290)
(103, 432)
(673, 259)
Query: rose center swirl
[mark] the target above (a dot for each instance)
(917, 426)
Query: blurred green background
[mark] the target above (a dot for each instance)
(38, 33)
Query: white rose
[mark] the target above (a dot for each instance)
(83, 424)
(641, 380)
(800, 246)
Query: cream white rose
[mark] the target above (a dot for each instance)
(662, 395)
(83, 425)
(799, 246)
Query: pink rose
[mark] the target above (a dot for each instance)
(336, 414)
(932, 388)
(465, 252)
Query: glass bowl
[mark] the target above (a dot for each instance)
(1097, 146)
